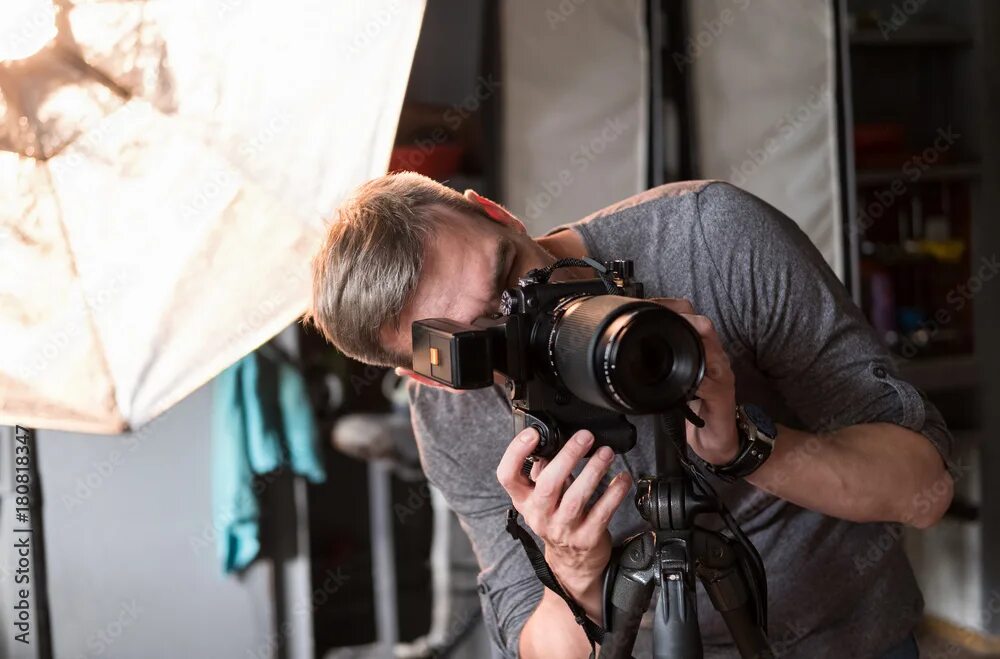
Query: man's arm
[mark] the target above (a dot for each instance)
(870, 472)
(522, 617)
(552, 626)
(875, 449)
(577, 541)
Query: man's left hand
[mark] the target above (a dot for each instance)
(718, 442)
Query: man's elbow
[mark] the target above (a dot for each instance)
(932, 499)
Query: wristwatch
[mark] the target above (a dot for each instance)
(756, 431)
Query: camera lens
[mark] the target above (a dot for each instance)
(651, 362)
(625, 354)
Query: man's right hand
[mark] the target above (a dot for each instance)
(554, 506)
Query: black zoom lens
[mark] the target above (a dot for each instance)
(625, 354)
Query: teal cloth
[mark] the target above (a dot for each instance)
(261, 420)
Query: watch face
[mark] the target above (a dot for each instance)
(760, 419)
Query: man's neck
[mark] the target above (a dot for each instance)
(566, 244)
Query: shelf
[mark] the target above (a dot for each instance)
(902, 258)
(940, 373)
(951, 172)
(924, 35)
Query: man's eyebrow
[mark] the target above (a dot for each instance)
(500, 273)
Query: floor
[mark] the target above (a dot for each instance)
(935, 647)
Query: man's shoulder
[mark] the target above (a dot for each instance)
(681, 203)
(438, 409)
(460, 435)
(677, 194)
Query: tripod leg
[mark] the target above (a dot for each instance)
(722, 574)
(676, 634)
(628, 587)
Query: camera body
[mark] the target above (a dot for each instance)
(571, 355)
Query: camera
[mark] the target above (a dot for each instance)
(572, 355)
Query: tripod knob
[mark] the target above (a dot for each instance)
(645, 498)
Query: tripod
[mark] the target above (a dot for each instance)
(673, 553)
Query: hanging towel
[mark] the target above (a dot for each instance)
(261, 420)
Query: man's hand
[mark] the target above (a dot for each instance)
(718, 442)
(577, 542)
(870, 472)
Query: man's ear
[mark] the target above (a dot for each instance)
(405, 372)
(495, 211)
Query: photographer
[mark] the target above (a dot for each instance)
(857, 452)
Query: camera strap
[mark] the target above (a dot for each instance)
(595, 633)
(543, 274)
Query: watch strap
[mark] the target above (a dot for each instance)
(755, 448)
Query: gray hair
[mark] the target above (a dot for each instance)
(370, 262)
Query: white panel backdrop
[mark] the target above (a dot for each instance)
(575, 99)
(765, 112)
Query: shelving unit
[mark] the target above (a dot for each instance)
(919, 101)
(913, 114)
(941, 373)
(922, 35)
(962, 171)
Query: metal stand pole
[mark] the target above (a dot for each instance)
(383, 555)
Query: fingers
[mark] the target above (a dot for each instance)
(536, 468)
(677, 305)
(556, 502)
(577, 495)
(702, 324)
(509, 470)
(717, 365)
(551, 482)
(600, 513)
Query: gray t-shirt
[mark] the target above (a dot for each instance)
(799, 348)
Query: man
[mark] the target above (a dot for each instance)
(858, 452)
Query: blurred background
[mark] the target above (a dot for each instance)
(204, 477)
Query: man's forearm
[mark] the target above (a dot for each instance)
(552, 625)
(863, 473)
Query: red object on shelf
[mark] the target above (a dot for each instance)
(437, 162)
(881, 137)
(879, 145)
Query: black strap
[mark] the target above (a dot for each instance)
(594, 632)
(543, 274)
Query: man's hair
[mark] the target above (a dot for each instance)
(370, 262)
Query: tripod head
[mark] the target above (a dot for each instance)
(674, 552)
